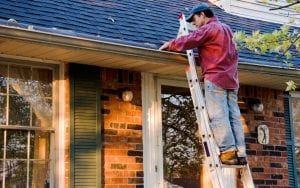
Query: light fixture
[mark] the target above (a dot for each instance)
(127, 95)
(255, 104)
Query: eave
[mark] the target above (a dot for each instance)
(57, 48)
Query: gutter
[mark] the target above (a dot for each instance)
(91, 43)
(257, 67)
(150, 52)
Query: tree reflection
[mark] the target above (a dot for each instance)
(182, 149)
(27, 93)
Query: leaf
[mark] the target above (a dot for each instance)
(297, 8)
(289, 64)
(239, 36)
(288, 55)
(290, 86)
(292, 20)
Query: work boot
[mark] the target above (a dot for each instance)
(229, 158)
(242, 160)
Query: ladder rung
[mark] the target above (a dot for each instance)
(234, 166)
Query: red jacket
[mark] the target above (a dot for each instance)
(218, 56)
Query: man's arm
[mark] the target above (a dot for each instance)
(187, 42)
(165, 46)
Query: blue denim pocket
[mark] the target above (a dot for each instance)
(209, 86)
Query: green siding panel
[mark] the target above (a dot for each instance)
(85, 152)
(290, 142)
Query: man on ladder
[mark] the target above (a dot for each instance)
(218, 58)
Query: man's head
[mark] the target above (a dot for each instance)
(200, 14)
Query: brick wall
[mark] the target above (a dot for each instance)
(122, 130)
(122, 154)
(267, 162)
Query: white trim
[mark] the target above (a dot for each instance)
(60, 175)
(152, 132)
(256, 9)
(158, 136)
(295, 94)
(148, 111)
(152, 139)
(159, 148)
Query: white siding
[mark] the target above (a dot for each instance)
(256, 9)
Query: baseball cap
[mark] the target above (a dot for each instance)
(196, 9)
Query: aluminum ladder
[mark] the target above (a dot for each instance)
(211, 150)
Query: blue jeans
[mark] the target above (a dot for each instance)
(224, 114)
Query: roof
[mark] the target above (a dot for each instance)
(141, 23)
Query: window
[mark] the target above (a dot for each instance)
(182, 151)
(26, 126)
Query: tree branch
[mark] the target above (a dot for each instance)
(285, 6)
(291, 45)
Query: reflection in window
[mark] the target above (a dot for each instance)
(16, 147)
(182, 151)
(15, 173)
(3, 76)
(2, 110)
(31, 88)
(3, 91)
(25, 160)
(19, 111)
(39, 145)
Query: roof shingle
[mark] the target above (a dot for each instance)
(137, 22)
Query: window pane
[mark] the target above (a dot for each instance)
(29, 100)
(39, 174)
(43, 79)
(3, 76)
(19, 79)
(2, 110)
(39, 145)
(1, 144)
(182, 151)
(15, 174)
(16, 147)
(1, 172)
(19, 111)
(42, 113)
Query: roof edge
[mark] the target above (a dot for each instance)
(173, 58)
(286, 72)
(100, 45)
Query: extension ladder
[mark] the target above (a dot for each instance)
(211, 150)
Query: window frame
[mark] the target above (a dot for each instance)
(152, 123)
(55, 118)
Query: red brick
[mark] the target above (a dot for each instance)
(109, 152)
(135, 167)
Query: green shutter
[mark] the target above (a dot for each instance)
(293, 179)
(85, 143)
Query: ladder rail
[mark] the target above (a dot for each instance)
(204, 135)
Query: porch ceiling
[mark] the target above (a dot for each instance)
(45, 47)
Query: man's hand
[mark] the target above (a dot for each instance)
(165, 46)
